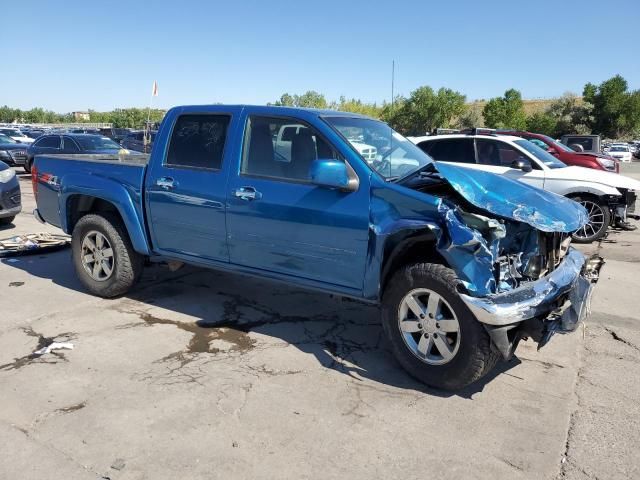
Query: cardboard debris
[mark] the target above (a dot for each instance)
(33, 243)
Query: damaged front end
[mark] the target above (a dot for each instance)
(510, 246)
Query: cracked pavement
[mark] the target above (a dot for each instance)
(199, 374)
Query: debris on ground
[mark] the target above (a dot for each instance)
(54, 346)
(33, 243)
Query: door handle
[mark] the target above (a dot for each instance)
(247, 193)
(166, 182)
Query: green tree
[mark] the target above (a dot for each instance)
(571, 114)
(309, 99)
(357, 106)
(425, 110)
(616, 112)
(506, 111)
(542, 122)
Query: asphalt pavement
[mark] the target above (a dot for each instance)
(199, 374)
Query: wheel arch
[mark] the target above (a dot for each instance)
(75, 205)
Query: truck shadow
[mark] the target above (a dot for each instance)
(344, 336)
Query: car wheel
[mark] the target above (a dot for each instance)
(103, 257)
(433, 334)
(599, 219)
(27, 165)
(6, 220)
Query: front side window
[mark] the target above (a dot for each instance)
(383, 149)
(282, 148)
(451, 150)
(500, 154)
(197, 141)
(48, 142)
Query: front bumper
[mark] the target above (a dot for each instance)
(566, 291)
(555, 303)
(10, 201)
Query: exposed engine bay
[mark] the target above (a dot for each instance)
(518, 252)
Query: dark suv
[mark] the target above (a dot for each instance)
(135, 141)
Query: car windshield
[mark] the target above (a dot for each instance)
(97, 143)
(5, 139)
(546, 158)
(619, 148)
(383, 149)
(558, 145)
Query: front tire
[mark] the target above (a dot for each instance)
(27, 165)
(433, 334)
(103, 257)
(599, 219)
(6, 221)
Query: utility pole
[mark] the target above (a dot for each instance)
(393, 74)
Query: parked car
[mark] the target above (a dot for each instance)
(607, 196)
(583, 143)
(567, 155)
(621, 151)
(74, 143)
(135, 141)
(10, 203)
(12, 152)
(116, 134)
(463, 265)
(16, 134)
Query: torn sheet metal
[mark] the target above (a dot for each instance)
(33, 243)
(508, 198)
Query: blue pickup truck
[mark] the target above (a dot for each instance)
(463, 264)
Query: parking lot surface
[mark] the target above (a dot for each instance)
(199, 374)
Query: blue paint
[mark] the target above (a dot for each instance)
(322, 233)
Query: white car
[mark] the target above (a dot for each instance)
(16, 134)
(621, 151)
(606, 196)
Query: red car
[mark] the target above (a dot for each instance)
(567, 155)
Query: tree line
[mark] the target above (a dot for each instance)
(120, 117)
(609, 109)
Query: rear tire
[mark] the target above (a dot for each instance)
(6, 220)
(469, 356)
(103, 257)
(599, 219)
(27, 165)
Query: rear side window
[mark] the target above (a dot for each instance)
(70, 145)
(48, 142)
(450, 150)
(198, 141)
(282, 148)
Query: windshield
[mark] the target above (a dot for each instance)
(5, 139)
(546, 158)
(619, 149)
(384, 150)
(97, 143)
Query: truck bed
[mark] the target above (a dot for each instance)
(96, 175)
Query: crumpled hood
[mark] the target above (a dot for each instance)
(609, 179)
(508, 198)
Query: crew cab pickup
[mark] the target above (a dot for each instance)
(463, 265)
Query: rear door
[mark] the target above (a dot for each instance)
(278, 221)
(185, 188)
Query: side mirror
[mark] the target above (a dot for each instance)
(330, 173)
(522, 164)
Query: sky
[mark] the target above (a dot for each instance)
(76, 55)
